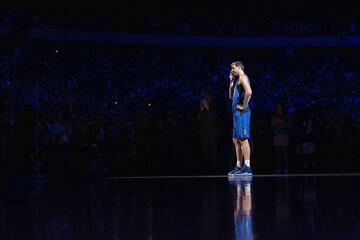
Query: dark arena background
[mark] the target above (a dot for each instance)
(116, 122)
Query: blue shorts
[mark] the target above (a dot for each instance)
(241, 124)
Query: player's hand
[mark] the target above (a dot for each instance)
(240, 107)
(231, 77)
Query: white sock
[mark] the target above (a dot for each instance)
(247, 163)
(238, 163)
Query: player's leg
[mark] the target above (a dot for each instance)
(245, 147)
(239, 156)
(239, 153)
(244, 135)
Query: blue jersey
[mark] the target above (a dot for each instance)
(239, 97)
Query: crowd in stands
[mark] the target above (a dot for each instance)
(134, 110)
(242, 27)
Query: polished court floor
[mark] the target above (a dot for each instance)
(216, 207)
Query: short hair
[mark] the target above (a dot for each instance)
(239, 64)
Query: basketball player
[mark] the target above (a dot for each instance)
(240, 93)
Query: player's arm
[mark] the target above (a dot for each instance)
(231, 86)
(248, 92)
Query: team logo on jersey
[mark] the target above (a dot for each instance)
(244, 131)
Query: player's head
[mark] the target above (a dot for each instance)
(237, 68)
